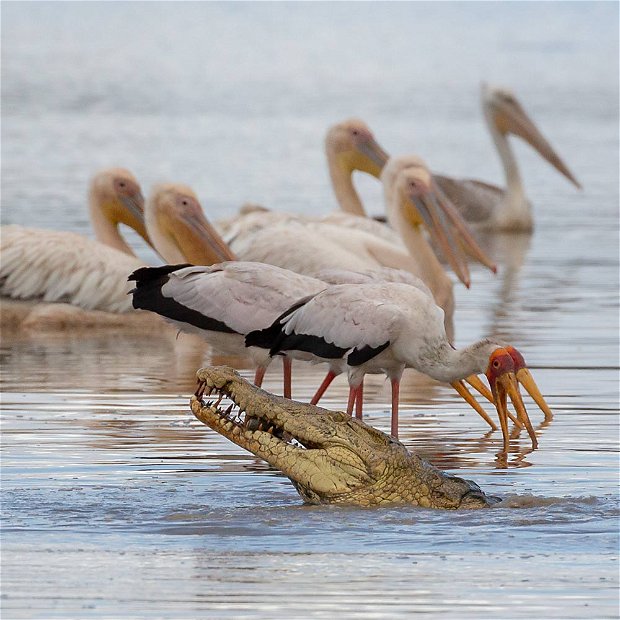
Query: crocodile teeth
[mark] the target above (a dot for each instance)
(200, 389)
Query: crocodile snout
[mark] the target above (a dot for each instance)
(476, 498)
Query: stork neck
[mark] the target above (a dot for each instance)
(444, 363)
(106, 231)
(342, 182)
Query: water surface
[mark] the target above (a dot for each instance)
(116, 502)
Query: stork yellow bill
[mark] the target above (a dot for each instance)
(506, 371)
(502, 378)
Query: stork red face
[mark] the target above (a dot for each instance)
(501, 373)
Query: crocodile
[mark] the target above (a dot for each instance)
(330, 457)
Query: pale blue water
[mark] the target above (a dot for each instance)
(116, 502)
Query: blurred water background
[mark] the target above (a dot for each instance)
(117, 503)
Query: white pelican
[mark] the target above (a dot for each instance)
(350, 146)
(179, 230)
(115, 197)
(308, 247)
(489, 206)
(58, 266)
(387, 327)
(224, 302)
(53, 265)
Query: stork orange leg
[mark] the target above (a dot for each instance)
(353, 397)
(329, 377)
(359, 401)
(287, 363)
(395, 403)
(259, 376)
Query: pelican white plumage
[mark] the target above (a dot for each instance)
(224, 302)
(489, 206)
(350, 146)
(45, 266)
(309, 247)
(50, 265)
(387, 327)
(57, 266)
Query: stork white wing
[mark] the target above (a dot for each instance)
(245, 296)
(354, 316)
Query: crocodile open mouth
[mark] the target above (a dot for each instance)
(330, 457)
(236, 419)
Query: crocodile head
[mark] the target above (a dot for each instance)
(330, 457)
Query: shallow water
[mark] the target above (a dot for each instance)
(116, 502)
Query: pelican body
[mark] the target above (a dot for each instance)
(58, 266)
(313, 246)
(489, 206)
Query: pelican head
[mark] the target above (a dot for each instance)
(505, 113)
(115, 194)
(179, 228)
(352, 145)
(412, 192)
